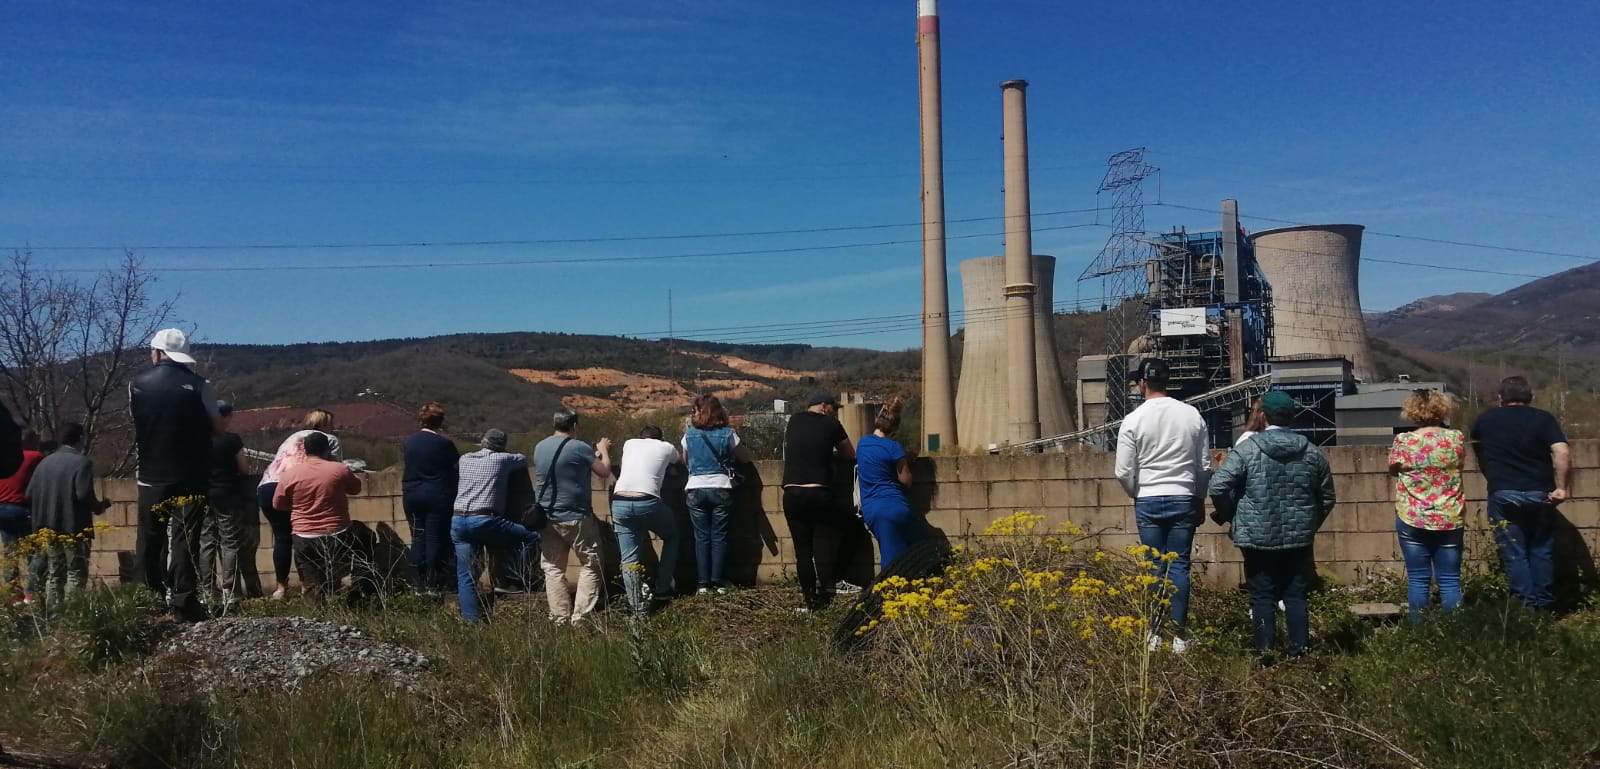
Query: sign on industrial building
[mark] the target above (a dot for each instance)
(1183, 321)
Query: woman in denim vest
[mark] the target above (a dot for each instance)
(712, 448)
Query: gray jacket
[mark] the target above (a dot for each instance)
(61, 493)
(1277, 490)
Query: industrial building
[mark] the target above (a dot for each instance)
(1208, 311)
(1237, 315)
(1233, 314)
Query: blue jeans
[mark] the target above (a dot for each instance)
(14, 525)
(635, 520)
(1273, 576)
(282, 532)
(1524, 525)
(1167, 524)
(895, 527)
(468, 532)
(709, 511)
(429, 517)
(1430, 555)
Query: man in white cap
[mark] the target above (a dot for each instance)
(174, 417)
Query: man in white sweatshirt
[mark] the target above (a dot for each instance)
(1163, 464)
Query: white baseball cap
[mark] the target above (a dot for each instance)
(174, 343)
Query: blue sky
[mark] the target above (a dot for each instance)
(186, 124)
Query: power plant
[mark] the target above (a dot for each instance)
(1234, 315)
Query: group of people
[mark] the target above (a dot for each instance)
(51, 489)
(197, 527)
(51, 495)
(1275, 489)
(497, 503)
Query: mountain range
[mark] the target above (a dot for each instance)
(1545, 328)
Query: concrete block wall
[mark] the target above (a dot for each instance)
(963, 495)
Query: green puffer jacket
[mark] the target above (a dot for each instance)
(1276, 489)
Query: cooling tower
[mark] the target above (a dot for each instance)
(1315, 274)
(982, 414)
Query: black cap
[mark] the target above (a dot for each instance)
(822, 398)
(1152, 370)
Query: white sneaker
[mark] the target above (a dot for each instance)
(703, 591)
(846, 588)
(1153, 643)
(1179, 645)
(277, 595)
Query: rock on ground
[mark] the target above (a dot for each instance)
(284, 652)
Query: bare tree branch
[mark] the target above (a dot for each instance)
(68, 348)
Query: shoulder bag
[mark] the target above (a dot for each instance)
(538, 517)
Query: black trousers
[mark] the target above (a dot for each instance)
(324, 562)
(172, 517)
(810, 513)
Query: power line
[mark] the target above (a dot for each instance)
(1403, 236)
(579, 177)
(893, 323)
(576, 260)
(516, 242)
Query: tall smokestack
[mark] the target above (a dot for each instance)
(1020, 289)
(938, 404)
(1232, 285)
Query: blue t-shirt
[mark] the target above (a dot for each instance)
(875, 465)
(571, 500)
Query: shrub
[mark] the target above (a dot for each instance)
(1033, 647)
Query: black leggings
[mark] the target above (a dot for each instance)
(809, 512)
(282, 535)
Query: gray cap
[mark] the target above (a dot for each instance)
(495, 440)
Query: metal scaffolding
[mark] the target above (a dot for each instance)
(1121, 265)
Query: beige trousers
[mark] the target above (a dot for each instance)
(555, 542)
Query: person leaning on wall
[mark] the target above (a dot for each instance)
(711, 448)
(1426, 463)
(1527, 463)
(290, 452)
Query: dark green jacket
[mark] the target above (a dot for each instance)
(1276, 489)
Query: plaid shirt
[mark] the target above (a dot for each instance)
(482, 488)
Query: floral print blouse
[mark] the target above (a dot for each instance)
(1428, 490)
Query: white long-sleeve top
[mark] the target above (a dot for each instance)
(1161, 450)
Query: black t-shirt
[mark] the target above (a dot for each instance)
(1513, 446)
(225, 450)
(808, 445)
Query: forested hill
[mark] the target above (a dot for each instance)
(514, 380)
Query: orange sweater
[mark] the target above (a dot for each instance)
(316, 493)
